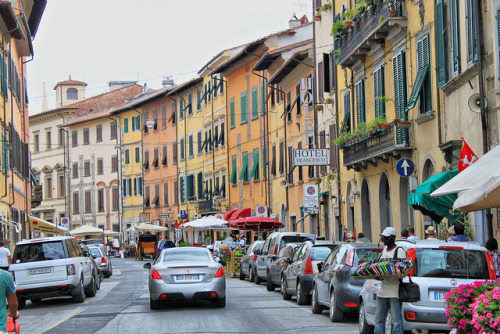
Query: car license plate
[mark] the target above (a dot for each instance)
(187, 277)
(439, 295)
(38, 271)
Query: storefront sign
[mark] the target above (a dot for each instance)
(313, 157)
(311, 196)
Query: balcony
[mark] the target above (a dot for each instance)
(36, 195)
(371, 30)
(378, 146)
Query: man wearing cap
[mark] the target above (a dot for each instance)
(387, 297)
(431, 233)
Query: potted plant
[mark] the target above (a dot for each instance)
(318, 107)
(350, 16)
(328, 100)
(393, 12)
(402, 123)
(361, 7)
(317, 17)
(327, 6)
(337, 27)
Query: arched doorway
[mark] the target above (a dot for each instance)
(366, 218)
(349, 204)
(384, 200)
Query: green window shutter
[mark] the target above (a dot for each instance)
(190, 187)
(262, 99)
(198, 99)
(233, 122)
(417, 86)
(138, 123)
(127, 156)
(222, 190)
(181, 108)
(182, 190)
(200, 185)
(455, 36)
(399, 67)
(471, 32)
(360, 102)
(244, 171)
(183, 150)
(243, 100)
(346, 124)
(255, 168)
(441, 45)
(125, 125)
(137, 154)
(379, 91)
(233, 179)
(264, 163)
(255, 103)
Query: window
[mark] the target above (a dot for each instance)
(190, 104)
(146, 160)
(155, 118)
(74, 138)
(181, 108)
(114, 164)
(156, 199)
(88, 201)
(86, 168)
(200, 141)
(198, 99)
(156, 161)
(183, 189)
(290, 163)
(222, 189)
(113, 130)
(322, 144)
(61, 137)
(455, 36)
(115, 199)
(243, 107)
(61, 186)
(199, 178)
(273, 96)
(174, 153)
(190, 188)
(191, 146)
(164, 160)
(288, 108)
(234, 177)
(72, 94)
(262, 99)
(127, 187)
(328, 65)
(423, 60)
(48, 140)
(37, 143)
(145, 113)
(346, 123)
(75, 170)
(176, 192)
(233, 116)
(125, 125)
(165, 193)
(471, 32)
(244, 171)
(48, 187)
(216, 135)
(441, 43)
(282, 157)
(182, 149)
(98, 133)
(136, 123)
(127, 156)
(360, 102)
(255, 103)
(333, 147)
(163, 109)
(300, 168)
(147, 201)
(297, 99)
(379, 91)
(209, 92)
(76, 203)
(255, 173)
(399, 67)
(137, 154)
(222, 133)
(100, 166)
(86, 136)
(138, 186)
(100, 199)
(273, 157)
(174, 112)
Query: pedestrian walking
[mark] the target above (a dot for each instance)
(7, 293)
(387, 297)
(404, 234)
(492, 247)
(243, 241)
(459, 233)
(5, 257)
(411, 234)
(362, 238)
(431, 233)
(451, 233)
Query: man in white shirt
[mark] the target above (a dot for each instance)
(431, 233)
(243, 241)
(388, 294)
(5, 257)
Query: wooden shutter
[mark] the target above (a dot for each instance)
(243, 107)
(379, 90)
(321, 79)
(333, 147)
(441, 45)
(471, 32)
(255, 103)
(322, 144)
(200, 185)
(232, 113)
(360, 102)
(174, 153)
(400, 95)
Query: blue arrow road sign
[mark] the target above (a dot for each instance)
(183, 214)
(405, 167)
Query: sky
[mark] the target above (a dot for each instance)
(97, 41)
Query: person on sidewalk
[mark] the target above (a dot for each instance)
(5, 257)
(431, 233)
(459, 233)
(492, 247)
(388, 294)
(7, 293)
(451, 233)
(411, 234)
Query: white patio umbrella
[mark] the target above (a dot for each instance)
(109, 233)
(86, 230)
(478, 186)
(209, 222)
(149, 227)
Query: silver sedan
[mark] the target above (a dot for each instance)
(186, 274)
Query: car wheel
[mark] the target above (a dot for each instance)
(316, 308)
(302, 297)
(335, 313)
(251, 274)
(364, 327)
(92, 288)
(79, 293)
(284, 293)
(258, 280)
(388, 323)
(110, 270)
(269, 284)
(154, 304)
(21, 302)
(98, 282)
(242, 276)
(221, 302)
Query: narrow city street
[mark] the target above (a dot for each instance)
(122, 306)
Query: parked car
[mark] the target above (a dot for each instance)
(298, 277)
(186, 274)
(164, 244)
(102, 260)
(439, 266)
(334, 287)
(51, 267)
(273, 244)
(96, 272)
(279, 264)
(247, 261)
(93, 241)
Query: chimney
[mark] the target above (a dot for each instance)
(44, 99)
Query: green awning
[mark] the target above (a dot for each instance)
(417, 86)
(255, 170)
(436, 208)
(321, 194)
(233, 179)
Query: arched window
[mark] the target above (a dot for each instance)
(72, 94)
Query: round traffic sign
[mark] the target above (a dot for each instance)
(261, 209)
(311, 190)
(405, 167)
(65, 221)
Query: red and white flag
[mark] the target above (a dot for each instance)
(467, 157)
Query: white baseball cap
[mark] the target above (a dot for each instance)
(388, 231)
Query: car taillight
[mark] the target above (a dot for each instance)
(309, 266)
(103, 260)
(275, 249)
(351, 304)
(412, 254)
(451, 247)
(219, 273)
(255, 257)
(155, 274)
(70, 268)
(491, 266)
(411, 315)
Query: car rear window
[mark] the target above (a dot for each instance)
(320, 253)
(186, 255)
(451, 263)
(292, 238)
(368, 254)
(40, 251)
(95, 251)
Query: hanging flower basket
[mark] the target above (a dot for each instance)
(348, 24)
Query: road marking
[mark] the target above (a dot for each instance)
(69, 315)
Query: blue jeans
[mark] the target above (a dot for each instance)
(383, 305)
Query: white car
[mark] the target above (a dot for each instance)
(51, 267)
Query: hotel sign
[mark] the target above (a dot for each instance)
(311, 157)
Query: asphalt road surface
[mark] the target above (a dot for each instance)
(122, 306)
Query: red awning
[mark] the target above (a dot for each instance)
(241, 213)
(256, 224)
(228, 214)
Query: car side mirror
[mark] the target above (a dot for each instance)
(94, 256)
(287, 260)
(86, 253)
(147, 265)
(273, 258)
(320, 266)
(222, 262)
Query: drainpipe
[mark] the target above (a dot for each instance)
(339, 191)
(120, 185)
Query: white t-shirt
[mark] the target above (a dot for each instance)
(413, 237)
(389, 287)
(4, 257)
